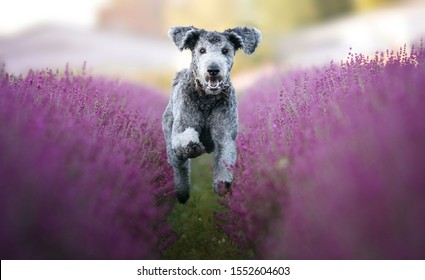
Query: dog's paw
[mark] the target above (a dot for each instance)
(182, 196)
(222, 188)
(193, 150)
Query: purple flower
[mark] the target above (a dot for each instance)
(332, 164)
(83, 171)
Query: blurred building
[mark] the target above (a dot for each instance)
(153, 18)
(130, 39)
(388, 28)
(137, 16)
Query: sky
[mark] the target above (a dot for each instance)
(18, 15)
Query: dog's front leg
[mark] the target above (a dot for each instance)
(224, 160)
(185, 145)
(224, 129)
(223, 133)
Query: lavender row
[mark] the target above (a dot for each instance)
(83, 172)
(332, 162)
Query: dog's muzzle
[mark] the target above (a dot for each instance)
(211, 84)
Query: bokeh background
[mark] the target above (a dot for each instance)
(102, 132)
(127, 39)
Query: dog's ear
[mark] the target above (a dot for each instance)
(185, 37)
(245, 38)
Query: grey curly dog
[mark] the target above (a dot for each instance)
(201, 115)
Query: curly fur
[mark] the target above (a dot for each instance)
(201, 116)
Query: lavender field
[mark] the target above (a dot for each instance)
(332, 162)
(82, 169)
(331, 165)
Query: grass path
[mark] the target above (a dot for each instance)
(198, 235)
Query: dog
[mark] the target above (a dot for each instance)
(201, 116)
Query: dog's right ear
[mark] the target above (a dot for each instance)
(185, 37)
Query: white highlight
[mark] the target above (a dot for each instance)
(18, 15)
(183, 139)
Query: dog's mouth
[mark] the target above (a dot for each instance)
(213, 83)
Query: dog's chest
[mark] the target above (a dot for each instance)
(206, 103)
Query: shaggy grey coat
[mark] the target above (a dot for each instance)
(201, 115)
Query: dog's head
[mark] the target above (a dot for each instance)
(213, 52)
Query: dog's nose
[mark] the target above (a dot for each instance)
(213, 70)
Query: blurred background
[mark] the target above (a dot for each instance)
(128, 39)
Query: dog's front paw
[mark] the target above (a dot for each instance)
(193, 150)
(182, 196)
(222, 188)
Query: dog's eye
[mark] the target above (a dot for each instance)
(202, 50)
(224, 51)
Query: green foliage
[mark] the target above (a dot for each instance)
(199, 237)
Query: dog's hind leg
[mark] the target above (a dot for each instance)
(182, 181)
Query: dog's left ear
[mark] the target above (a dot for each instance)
(245, 38)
